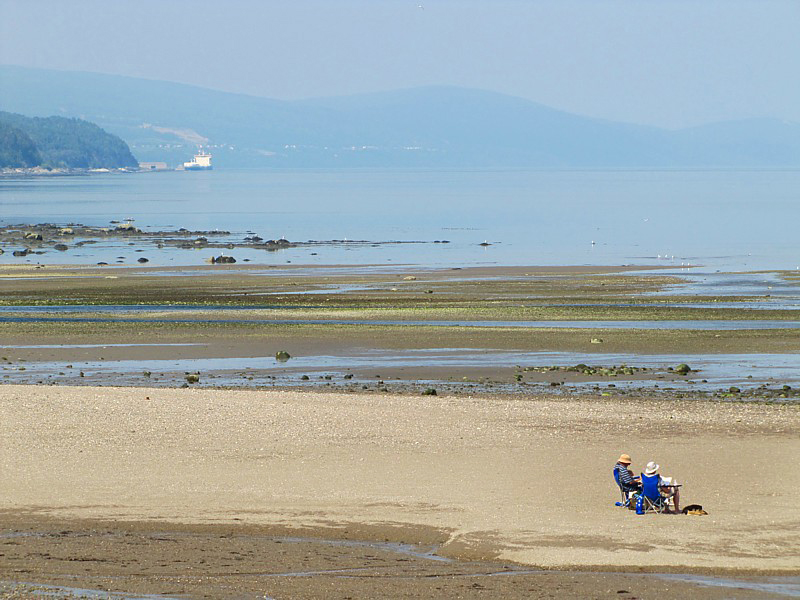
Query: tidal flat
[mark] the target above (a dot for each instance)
(509, 330)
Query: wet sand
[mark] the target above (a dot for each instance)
(323, 287)
(523, 480)
(245, 561)
(227, 315)
(397, 358)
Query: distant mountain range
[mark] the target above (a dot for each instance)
(421, 127)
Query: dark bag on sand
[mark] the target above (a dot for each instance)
(694, 509)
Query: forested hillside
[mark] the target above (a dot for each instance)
(16, 148)
(58, 142)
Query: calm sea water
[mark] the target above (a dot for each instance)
(727, 220)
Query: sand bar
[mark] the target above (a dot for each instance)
(524, 479)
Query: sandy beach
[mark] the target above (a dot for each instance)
(525, 480)
(164, 449)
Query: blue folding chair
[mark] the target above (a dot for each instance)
(625, 493)
(652, 500)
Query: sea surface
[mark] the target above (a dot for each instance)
(727, 220)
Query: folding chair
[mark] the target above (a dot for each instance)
(652, 500)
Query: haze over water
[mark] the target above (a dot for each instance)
(726, 219)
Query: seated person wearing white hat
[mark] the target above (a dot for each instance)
(666, 485)
(627, 480)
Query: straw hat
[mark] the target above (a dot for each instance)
(651, 468)
(624, 459)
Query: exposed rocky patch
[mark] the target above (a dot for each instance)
(41, 237)
(611, 371)
(24, 239)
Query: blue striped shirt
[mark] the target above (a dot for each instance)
(625, 477)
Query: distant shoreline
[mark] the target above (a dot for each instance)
(24, 173)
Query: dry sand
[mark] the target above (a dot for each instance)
(525, 480)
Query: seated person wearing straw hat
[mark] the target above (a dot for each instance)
(666, 485)
(626, 478)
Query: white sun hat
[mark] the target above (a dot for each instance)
(651, 468)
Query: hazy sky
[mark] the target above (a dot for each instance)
(663, 62)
